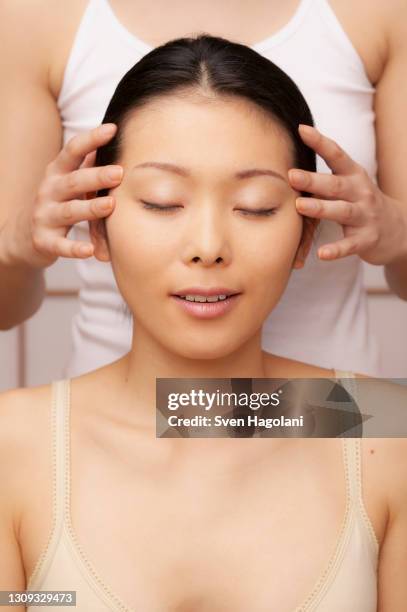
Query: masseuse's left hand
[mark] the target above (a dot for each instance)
(373, 224)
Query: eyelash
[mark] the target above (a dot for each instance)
(262, 212)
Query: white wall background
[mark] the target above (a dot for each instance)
(35, 352)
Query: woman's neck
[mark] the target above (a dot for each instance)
(148, 360)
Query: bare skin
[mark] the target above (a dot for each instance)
(222, 473)
(382, 48)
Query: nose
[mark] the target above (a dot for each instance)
(207, 239)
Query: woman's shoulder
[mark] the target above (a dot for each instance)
(22, 411)
(20, 396)
(25, 441)
(283, 367)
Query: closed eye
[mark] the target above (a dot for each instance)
(171, 207)
(265, 212)
(159, 207)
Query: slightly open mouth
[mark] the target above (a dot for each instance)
(211, 299)
(206, 307)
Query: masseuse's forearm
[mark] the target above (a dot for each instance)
(22, 290)
(396, 276)
(396, 271)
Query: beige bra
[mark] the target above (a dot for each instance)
(346, 584)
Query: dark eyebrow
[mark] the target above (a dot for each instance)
(242, 174)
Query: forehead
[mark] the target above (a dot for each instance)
(198, 130)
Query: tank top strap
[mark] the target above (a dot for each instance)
(61, 448)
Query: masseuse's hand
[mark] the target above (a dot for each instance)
(372, 222)
(62, 200)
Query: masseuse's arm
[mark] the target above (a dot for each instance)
(391, 133)
(373, 217)
(44, 187)
(30, 136)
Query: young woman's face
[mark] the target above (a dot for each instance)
(206, 229)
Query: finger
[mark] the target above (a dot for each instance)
(324, 185)
(343, 212)
(85, 180)
(342, 248)
(89, 160)
(74, 152)
(64, 247)
(74, 211)
(336, 158)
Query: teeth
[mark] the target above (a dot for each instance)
(203, 298)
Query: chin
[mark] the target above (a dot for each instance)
(206, 348)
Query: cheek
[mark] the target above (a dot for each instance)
(270, 257)
(274, 243)
(138, 251)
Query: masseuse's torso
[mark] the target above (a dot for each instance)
(250, 23)
(178, 518)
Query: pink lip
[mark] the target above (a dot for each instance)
(207, 310)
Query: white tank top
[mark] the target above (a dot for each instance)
(322, 318)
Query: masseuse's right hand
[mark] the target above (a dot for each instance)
(65, 197)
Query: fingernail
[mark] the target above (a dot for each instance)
(306, 129)
(107, 128)
(298, 177)
(85, 249)
(306, 205)
(105, 206)
(115, 173)
(326, 252)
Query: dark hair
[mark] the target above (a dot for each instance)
(215, 65)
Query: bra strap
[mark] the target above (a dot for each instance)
(61, 401)
(352, 454)
(351, 446)
(348, 381)
(352, 460)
